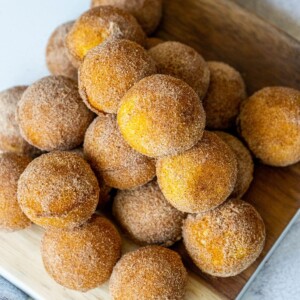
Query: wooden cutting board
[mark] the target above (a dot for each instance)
(219, 30)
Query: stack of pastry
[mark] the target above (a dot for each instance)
(155, 121)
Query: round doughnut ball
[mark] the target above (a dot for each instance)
(82, 258)
(244, 163)
(10, 136)
(225, 241)
(270, 124)
(11, 167)
(201, 178)
(96, 26)
(112, 158)
(147, 217)
(147, 12)
(224, 96)
(161, 115)
(57, 57)
(183, 62)
(152, 42)
(110, 70)
(58, 190)
(51, 114)
(151, 272)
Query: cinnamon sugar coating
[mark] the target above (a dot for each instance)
(110, 70)
(112, 158)
(82, 258)
(98, 25)
(225, 241)
(105, 190)
(224, 96)
(51, 114)
(57, 57)
(147, 12)
(151, 272)
(147, 217)
(11, 167)
(11, 139)
(58, 190)
(183, 62)
(269, 122)
(201, 178)
(161, 115)
(244, 163)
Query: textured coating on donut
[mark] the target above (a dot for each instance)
(58, 190)
(10, 136)
(51, 114)
(244, 163)
(11, 167)
(269, 122)
(225, 94)
(183, 62)
(225, 241)
(147, 12)
(110, 70)
(151, 272)
(112, 158)
(201, 178)
(147, 217)
(96, 26)
(105, 190)
(152, 42)
(57, 57)
(161, 115)
(82, 258)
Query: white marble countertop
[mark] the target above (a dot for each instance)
(280, 277)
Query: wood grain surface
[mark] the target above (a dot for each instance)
(21, 263)
(222, 30)
(219, 30)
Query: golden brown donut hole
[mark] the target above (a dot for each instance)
(201, 178)
(225, 241)
(147, 217)
(98, 25)
(58, 190)
(51, 114)
(269, 122)
(151, 272)
(110, 70)
(82, 258)
(161, 115)
(183, 62)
